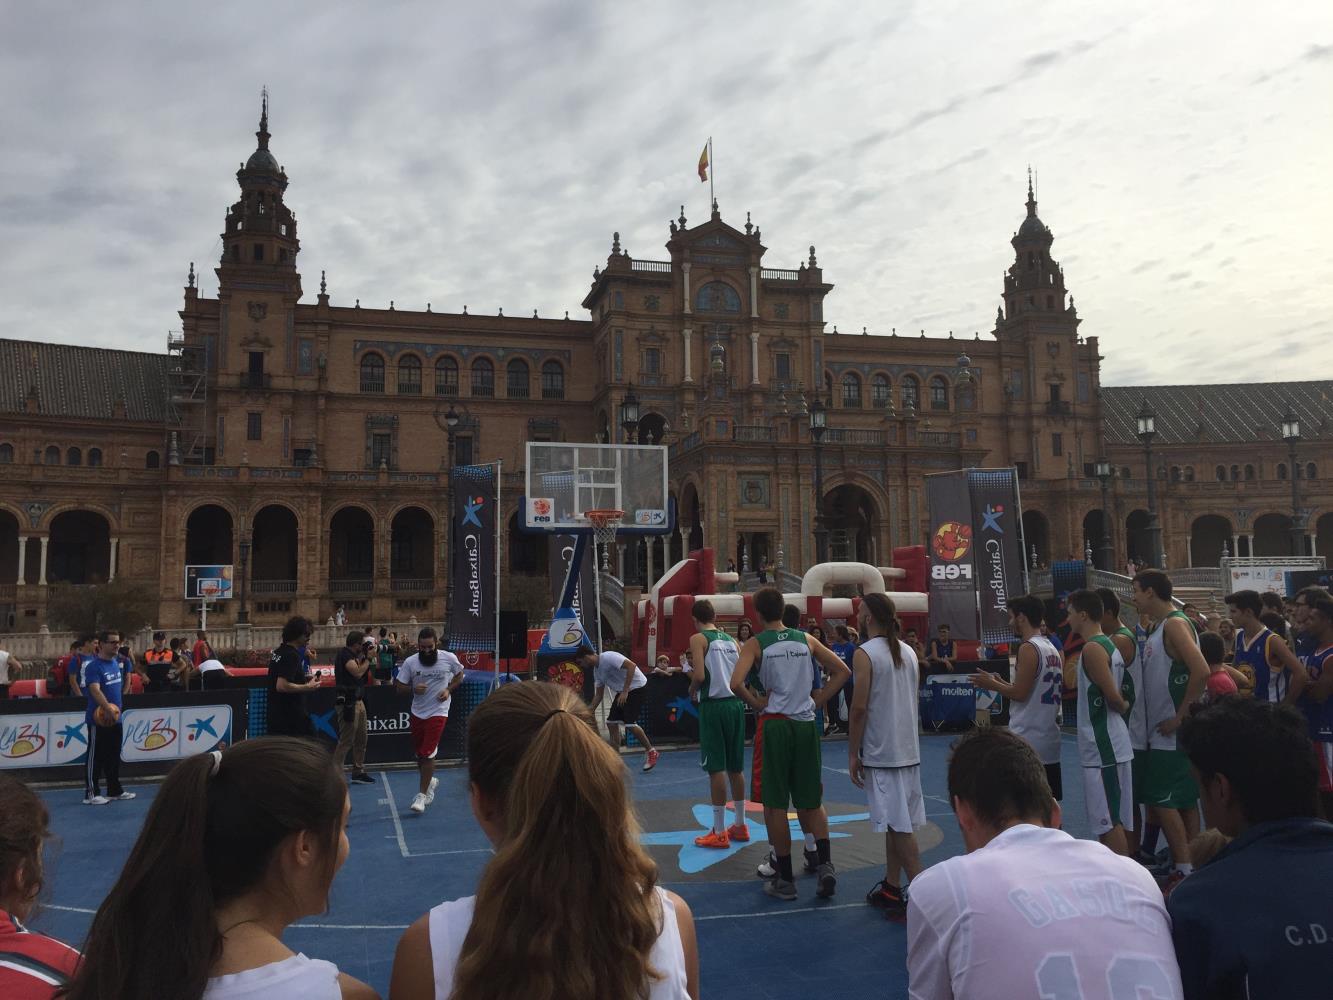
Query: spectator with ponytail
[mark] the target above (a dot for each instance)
(236, 846)
(568, 906)
(32, 966)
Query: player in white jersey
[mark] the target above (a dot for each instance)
(1128, 644)
(713, 656)
(431, 675)
(884, 746)
(1034, 693)
(1103, 736)
(1030, 911)
(622, 676)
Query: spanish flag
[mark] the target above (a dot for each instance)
(703, 164)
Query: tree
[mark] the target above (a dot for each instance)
(532, 594)
(123, 605)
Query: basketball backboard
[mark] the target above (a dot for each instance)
(563, 481)
(211, 583)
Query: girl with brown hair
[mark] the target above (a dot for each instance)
(568, 906)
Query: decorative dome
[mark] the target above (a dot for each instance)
(262, 159)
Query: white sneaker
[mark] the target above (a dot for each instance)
(419, 803)
(430, 790)
(96, 800)
(122, 797)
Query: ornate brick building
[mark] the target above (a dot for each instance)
(308, 440)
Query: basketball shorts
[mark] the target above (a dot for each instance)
(1167, 781)
(1140, 774)
(722, 735)
(894, 797)
(1109, 797)
(1054, 779)
(629, 712)
(1323, 753)
(426, 735)
(787, 765)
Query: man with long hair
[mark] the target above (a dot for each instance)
(288, 684)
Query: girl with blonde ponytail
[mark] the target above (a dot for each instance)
(569, 906)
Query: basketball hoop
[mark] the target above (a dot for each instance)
(209, 589)
(604, 524)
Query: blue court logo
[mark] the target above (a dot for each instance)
(470, 508)
(990, 519)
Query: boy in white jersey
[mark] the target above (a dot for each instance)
(1175, 675)
(621, 675)
(787, 758)
(1128, 644)
(884, 746)
(1103, 736)
(431, 675)
(1034, 694)
(1030, 911)
(713, 656)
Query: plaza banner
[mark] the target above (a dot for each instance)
(998, 552)
(953, 585)
(472, 619)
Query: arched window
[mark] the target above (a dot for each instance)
(879, 389)
(95, 457)
(1282, 470)
(73, 457)
(851, 390)
(1310, 471)
(409, 375)
(152, 460)
(1175, 473)
(446, 377)
(1249, 473)
(483, 377)
(52, 455)
(939, 393)
(1235, 473)
(6, 454)
(1189, 473)
(553, 380)
(717, 296)
(1221, 473)
(517, 379)
(372, 373)
(911, 392)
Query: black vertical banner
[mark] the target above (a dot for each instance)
(998, 553)
(559, 557)
(953, 585)
(472, 618)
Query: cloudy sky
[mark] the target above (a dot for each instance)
(484, 153)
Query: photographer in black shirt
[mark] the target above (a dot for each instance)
(351, 671)
(288, 684)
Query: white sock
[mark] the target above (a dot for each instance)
(1184, 869)
(809, 841)
(719, 819)
(738, 809)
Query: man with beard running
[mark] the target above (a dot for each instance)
(431, 675)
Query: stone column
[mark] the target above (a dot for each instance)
(1235, 545)
(754, 293)
(23, 559)
(1189, 550)
(685, 271)
(41, 572)
(684, 543)
(648, 571)
(754, 357)
(115, 549)
(685, 335)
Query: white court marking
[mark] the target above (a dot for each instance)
(393, 813)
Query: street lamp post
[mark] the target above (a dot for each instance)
(1105, 554)
(629, 422)
(451, 420)
(1291, 433)
(243, 613)
(1146, 419)
(818, 424)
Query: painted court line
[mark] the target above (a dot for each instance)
(782, 913)
(393, 813)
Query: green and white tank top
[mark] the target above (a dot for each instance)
(785, 669)
(1103, 736)
(1132, 689)
(1164, 682)
(719, 663)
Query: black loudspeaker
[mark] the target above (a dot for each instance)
(513, 635)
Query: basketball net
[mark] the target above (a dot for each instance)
(604, 525)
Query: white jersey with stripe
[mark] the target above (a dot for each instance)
(720, 658)
(785, 670)
(1037, 913)
(1103, 736)
(1164, 682)
(891, 737)
(1037, 720)
(1138, 712)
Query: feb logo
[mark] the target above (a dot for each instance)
(23, 740)
(566, 673)
(540, 510)
(952, 540)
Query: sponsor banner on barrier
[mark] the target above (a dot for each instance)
(953, 586)
(168, 733)
(42, 740)
(997, 553)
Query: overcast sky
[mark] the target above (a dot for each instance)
(484, 153)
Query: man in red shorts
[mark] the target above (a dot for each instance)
(431, 675)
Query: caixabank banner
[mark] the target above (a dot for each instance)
(976, 554)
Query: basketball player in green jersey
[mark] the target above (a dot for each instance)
(1174, 677)
(713, 656)
(787, 759)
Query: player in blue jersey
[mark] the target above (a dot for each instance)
(1278, 674)
(1318, 697)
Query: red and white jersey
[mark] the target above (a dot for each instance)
(32, 966)
(1036, 913)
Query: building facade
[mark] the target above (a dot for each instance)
(308, 440)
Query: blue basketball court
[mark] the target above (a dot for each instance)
(401, 864)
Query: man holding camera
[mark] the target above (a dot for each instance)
(351, 672)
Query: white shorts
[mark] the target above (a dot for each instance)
(894, 795)
(1108, 794)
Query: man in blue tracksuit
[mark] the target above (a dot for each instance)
(1256, 922)
(103, 687)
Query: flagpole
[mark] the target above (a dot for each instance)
(499, 475)
(711, 170)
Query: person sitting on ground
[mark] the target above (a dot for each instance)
(32, 966)
(1253, 923)
(1030, 910)
(552, 797)
(1220, 682)
(237, 845)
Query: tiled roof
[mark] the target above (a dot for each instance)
(1243, 413)
(83, 382)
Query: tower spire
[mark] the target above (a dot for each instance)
(262, 134)
(1032, 200)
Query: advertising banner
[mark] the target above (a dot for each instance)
(43, 740)
(953, 585)
(563, 552)
(997, 550)
(472, 617)
(170, 733)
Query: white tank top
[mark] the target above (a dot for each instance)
(891, 738)
(1037, 720)
(1103, 736)
(449, 923)
(295, 978)
(720, 658)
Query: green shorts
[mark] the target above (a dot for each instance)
(788, 764)
(1167, 781)
(722, 735)
(1140, 771)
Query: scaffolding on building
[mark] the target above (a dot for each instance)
(187, 370)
